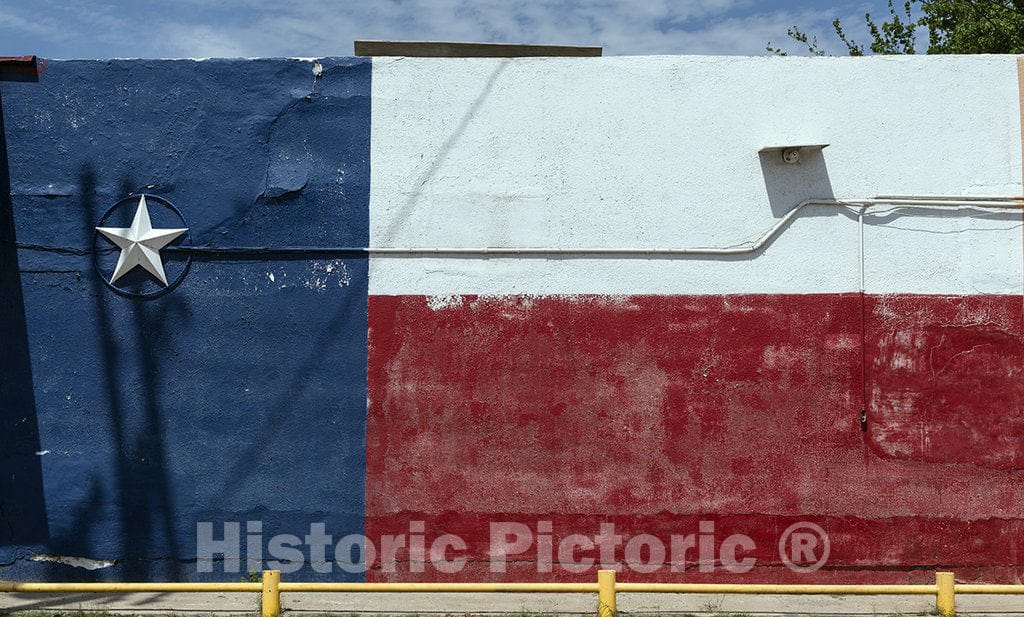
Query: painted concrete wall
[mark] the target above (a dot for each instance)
(368, 394)
(657, 393)
(153, 415)
(664, 152)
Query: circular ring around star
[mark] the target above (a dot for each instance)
(148, 225)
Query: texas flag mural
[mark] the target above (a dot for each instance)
(657, 310)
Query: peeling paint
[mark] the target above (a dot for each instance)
(333, 273)
(76, 562)
(437, 303)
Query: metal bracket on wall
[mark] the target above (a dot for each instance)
(791, 154)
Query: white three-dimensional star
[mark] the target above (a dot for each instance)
(140, 244)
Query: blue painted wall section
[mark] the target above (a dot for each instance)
(241, 394)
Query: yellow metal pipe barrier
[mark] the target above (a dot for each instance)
(271, 587)
(989, 589)
(741, 588)
(270, 594)
(126, 587)
(945, 596)
(444, 587)
(606, 593)
(973, 588)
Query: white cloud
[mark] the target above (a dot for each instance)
(43, 27)
(196, 28)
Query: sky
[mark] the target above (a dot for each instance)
(251, 28)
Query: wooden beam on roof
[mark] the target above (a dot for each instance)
(446, 49)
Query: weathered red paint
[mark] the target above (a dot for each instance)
(947, 379)
(21, 68)
(656, 412)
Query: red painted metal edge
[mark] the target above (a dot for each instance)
(21, 68)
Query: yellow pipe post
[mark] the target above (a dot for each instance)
(606, 593)
(945, 593)
(270, 600)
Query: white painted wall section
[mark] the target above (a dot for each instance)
(663, 152)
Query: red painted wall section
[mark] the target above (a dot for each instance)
(947, 379)
(658, 412)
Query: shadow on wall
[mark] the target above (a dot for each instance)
(22, 503)
(788, 184)
(415, 190)
(142, 500)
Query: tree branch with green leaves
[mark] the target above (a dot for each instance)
(953, 27)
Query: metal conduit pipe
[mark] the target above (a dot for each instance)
(901, 201)
(861, 205)
(949, 197)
